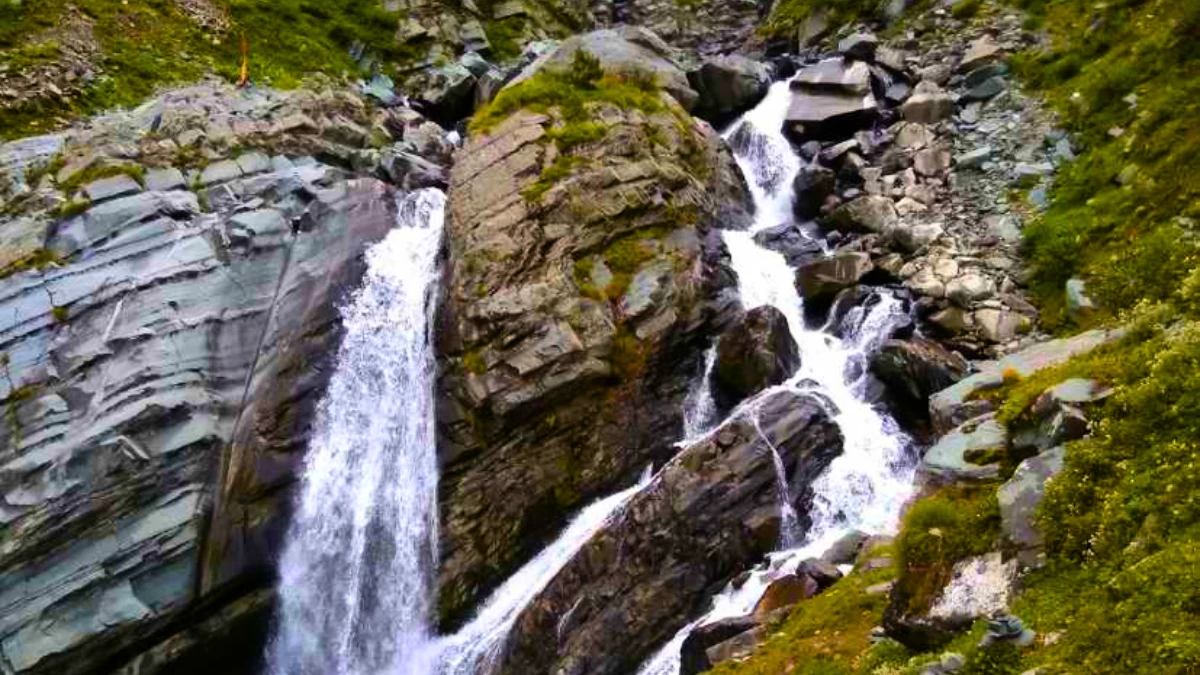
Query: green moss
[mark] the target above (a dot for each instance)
(95, 173)
(474, 362)
(39, 259)
(965, 9)
(552, 175)
(60, 314)
(786, 15)
(939, 531)
(629, 354)
(824, 635)
(72, 207)
(571, 90)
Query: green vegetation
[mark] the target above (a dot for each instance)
(60, 314)
(72, 207)
(148, 44)
(1122, 74)
(81, 178)
(939, 531)
(965, 9)
(570, 91)
(561, 168)
(474, 363)
(39, 259)
(788, 14)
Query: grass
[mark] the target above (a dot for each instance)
(39, 259)
(94, 173)
(149, 44)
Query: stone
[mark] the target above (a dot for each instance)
(913, 370)
(1001, 325)
(739, 647)
(163, 180)
(823, 279)
(797, 244)
(937, 73)
(868, 214)
(914, 135)
(220, 172)
(1004, 227)
(253, 162)
(861, 46)
(845, 550)
(830, 99)
(814, 27)
(728, 85)
(111, 188)
(947, 406)
(693, 656)
(974, 159)
(932, 161)
(447, 92)
(950, 460)
(812, 185)
(650, 567)
(1079, 303)
(969, 289)
(985, 90)
(928, 107)
(784, 592)
(824, 573)
(981, 51)
(1007, 629)
(755, 353)
(834, 76)
(926, 283)
(984, 73)
(979, 587)
(1021, 496)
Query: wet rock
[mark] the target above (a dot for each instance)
(797, 244)
(1021, 496)
(823, 279)
(812, 185)
(656, 561)
(756, 353)
(913, 370)
(824, 573)
(728, 85)
(786, 591)
(693, 656)
(845, 550)
(859, 46)
(520, 344)
(831, 98)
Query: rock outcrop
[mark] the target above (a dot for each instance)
(755, 353)
(713, 510)
(572, 322)
(165, 348)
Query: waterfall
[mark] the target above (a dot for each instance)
(700, 408)
(475, 649)
(357, 575)
(863, 488)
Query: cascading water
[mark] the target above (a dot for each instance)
(474, 650)
(357, 574)
(865, 487)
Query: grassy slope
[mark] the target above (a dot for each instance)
(1121, 592)
(148, 43)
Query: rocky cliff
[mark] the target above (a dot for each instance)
(167, 334)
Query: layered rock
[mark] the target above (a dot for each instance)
(572, 321)
(165, 360)
(703, 519)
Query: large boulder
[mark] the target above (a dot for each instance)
(1020, 498)
(958, 403)
(798, 243)
(728, 85)
(868, 214)
(622, 50)
(575, 311)
(822, 280)
(812, 185)
(970, 453)
(831, 99)
(638, 580)
(693, 654)
(755, 353)
(913, 370)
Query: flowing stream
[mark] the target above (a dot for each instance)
(863, 488)
(357, 574)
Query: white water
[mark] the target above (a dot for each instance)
(356, 578)
(863, 488)
(699, 408)
(475, 649)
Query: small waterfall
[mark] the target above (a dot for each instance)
(863, 488)
(475, 649)
(357, 575)
(700, 408)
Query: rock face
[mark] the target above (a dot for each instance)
(169, 363)
(1020, 497)
(571, 324)
(757, 352)
(638, 580)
